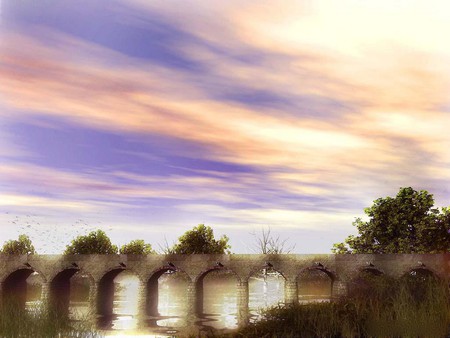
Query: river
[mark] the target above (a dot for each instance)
(219, 309)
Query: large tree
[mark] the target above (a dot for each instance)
(137, 247)
(200, 240)
(20, 246)
(96, 242)
(407, 223)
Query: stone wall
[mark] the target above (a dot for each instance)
(55, 272)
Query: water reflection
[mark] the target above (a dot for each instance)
(219, 300)
(314, 285)
(125, 294)
(266, 289)
(124, 305)
(172, 301)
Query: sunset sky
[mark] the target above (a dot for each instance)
(146, 118)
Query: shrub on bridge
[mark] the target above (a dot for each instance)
(96, 242)
(200, 240)
(137, 247)
(21, 246)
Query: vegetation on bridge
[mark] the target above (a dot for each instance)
(200, 240)
(406, 223)
(137, 247)
(96, 242)
(21, 246)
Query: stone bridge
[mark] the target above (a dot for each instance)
(56, 271)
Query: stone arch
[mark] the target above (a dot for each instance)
(22, 267)
(330, 273)
(420, 271)
(267, 266)
(264, 282)
(14, 284)
(152, 287)
(325, 279)
(371, 270)
(419, 280)
(367, 281)
(60, 286)
(105, 298)
(198, 284)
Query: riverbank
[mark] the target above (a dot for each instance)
(376, 307)
(380, 308)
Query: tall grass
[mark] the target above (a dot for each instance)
(39, 321)
(381, 308)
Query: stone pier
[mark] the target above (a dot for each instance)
(55, 272)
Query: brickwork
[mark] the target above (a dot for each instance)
(55, 272)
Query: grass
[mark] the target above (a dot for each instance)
(376, 307)
(41, 322)
(381, 308)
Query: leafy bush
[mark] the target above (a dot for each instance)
(96, 242)
(21, 246)
(137, 247)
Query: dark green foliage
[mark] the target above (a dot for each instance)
(21, 246)
(392, 309)
(137, 247)
(96, 242)
(407, 223)
(200, 240)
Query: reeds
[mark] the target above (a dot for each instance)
(382, 308)
(39, 321)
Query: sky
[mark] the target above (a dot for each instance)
(146, 118)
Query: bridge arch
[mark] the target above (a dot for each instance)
(199, 283)
(14, 284)
(269, 282)
(367, 282)
(420, 271)
(152, 286)
(105, 289)
(266, 266)
(60, 287)
(371, 271)
(315, 282)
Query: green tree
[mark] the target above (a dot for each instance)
(200, 240)
(137, 247)
(407, 223)
(96, 242)
(20, 246)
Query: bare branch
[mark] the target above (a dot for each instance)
(266, 243)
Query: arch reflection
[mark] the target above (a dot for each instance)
(314, 285)
(217, 298)
(266, 288)
(118, 300)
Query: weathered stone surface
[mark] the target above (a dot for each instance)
(55, 272)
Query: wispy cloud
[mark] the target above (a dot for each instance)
(311, 111)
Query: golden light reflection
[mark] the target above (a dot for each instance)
(125, 294)
(220, 300)
(265, 289)
(172, 297)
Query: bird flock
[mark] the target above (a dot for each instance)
(49, 237)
